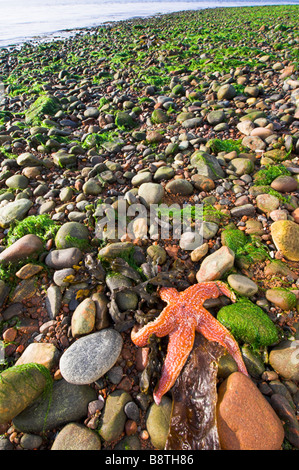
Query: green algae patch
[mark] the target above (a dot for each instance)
(40, 225)
(44, 105)
(248, 323)
(228, 145)
(234, 238)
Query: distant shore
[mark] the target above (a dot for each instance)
(70, 32)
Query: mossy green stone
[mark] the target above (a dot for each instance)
(124, 120)
(44, 105)
(158, 116)
(216, 117)
(226, 92)
(282, 298)
(17, 181)
(242, 166)
(206, 165)
(248, 323)
(184, 116)
(128, 443)
(164, 173)
(15, 210)
(157, 254)
(19, 387)
(253, 361)
(276, 154)
(252, 116)
(63, 404)
(178, 89)
(117, 249)
(63, 159)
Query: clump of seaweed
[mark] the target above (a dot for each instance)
(42, 226)
(227, 146)
(265, 176)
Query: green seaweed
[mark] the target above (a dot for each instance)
(42, 226)
(246, 247)
(248, 323)
(80, 243)
(266, 176)
(226, 145)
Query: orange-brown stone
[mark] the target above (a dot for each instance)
(246, 421)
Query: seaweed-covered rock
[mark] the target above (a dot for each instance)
(19, 387)
(206, 165)
(124, 120)
(276, 154)
(248, 323)
(44, 105)
(71, 234)
(63, 159)
(282, 298)
(233, 238)
(64, 404)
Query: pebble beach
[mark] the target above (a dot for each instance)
(192, 109)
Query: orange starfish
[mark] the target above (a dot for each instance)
(180, 318)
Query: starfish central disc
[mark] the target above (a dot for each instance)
(180, 319)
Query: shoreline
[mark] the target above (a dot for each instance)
(73, 32)
(195, 112)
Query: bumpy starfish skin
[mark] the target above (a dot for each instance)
(184, 315)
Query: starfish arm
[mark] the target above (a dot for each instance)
(161, 326)
(169, 294)
(180, 345)
(198, 293)
(213, 330)
(225, 290)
